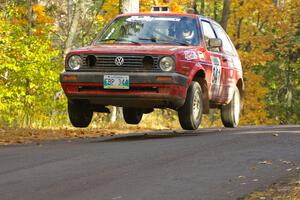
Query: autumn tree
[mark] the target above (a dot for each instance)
(29, 66)
(259, 31)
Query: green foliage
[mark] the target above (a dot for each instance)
(29, 69)
(283, 80)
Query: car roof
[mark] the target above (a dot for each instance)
(168, 14)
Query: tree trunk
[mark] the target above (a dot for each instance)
(73, 26)
(202, 8)
(215, 9)
(225, 14)
(194, 5)
(276, 2)
(113, 115)
(120, 6)
(69, 12)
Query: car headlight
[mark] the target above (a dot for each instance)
(167, 64)
(75, 62)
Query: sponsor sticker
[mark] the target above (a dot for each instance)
(149, 18)
(139, 18)
(201, 55)
(190, 55)
(167, 19)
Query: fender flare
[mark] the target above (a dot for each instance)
(197, 68)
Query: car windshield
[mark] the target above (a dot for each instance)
(151, 30)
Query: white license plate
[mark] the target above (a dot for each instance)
(115, 82)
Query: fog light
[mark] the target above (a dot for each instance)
(164, 78)
(70, 78)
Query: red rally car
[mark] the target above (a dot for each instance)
(143, 61)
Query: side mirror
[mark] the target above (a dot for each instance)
(214, 43)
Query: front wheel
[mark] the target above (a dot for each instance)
(80, 113)
(190, 114)
(132, 115)
(230, 113)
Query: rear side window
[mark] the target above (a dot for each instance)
(208, 33)
(226, 43)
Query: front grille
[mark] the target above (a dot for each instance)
(130, 62)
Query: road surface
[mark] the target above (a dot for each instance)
(179, 165)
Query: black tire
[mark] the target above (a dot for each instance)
(230, 113)
(80, 113)
(190, 120)
(132, 115)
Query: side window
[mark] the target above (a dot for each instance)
(208, 33)
(226, 43)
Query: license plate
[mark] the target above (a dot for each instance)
(116, 82)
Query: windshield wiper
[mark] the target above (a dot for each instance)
(149, 39)
(178, 42)
(168, 41)
(119, 39)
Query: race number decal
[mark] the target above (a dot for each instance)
(216, 70)
(216, 74)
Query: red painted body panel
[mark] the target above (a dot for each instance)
(187, 64)
(162, 89)
(140, 95)
(157, 49)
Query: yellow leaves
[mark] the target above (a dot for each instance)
(261, 30)
(254, 106)
(175, 7)
(111, 9)
(40, 23)
(145, 6)
(22, 22)
(100, 18)
(254, 57)
(41, 16)
(21, 10)
(261, 22)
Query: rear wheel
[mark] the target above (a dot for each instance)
(230, 113)
(132, 115)
(80, 113)
(190, 114)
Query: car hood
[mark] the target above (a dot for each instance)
(131, 49)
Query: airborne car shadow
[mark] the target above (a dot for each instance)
(160, 135)
(167, 134)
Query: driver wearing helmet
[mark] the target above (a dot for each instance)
(187, 33)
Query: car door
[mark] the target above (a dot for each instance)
(214, 67)
(228, 56)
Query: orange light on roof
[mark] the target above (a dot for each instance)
(160, 9)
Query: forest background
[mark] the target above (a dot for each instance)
(36, 34)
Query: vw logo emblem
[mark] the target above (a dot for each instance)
(119, 61)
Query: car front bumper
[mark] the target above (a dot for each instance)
(147, 90)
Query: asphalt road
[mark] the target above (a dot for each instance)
(204, 164)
